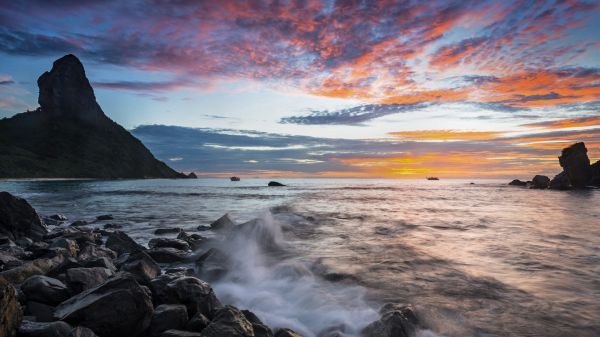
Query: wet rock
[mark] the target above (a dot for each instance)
(69, 245)
(82, 331)
(260, 329)
(540, 182)
(196, 294)
(167, 255)
(121, 243)
(142, 266)
(162, 231)
(62, 268)
(7, 261)
(518, 182)
(78, 223)
(104, 217)
(172, 243)
(181, 333)
(58, 217)
(80, 279)
(119, 307)
(82, 236)
(560, 182)
(167, 317)
(41, 311)
(36, 267)
(395, 321)
(45, 289)
(197, 323)
(229, 322)
(101, 262)
(112, 226)
(95, 251)
(18, 219)
(576, 165)
(213, 264)
(275, 184)
(194, 240)
(223, 223)
(287, 333)
(10, 309)
(44, 329)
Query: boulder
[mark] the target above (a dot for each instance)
(36, 267)
(69, 245)
(142, 266)
(44, 289)
(172, 243)
(576, 165)
(540, 182)
(95, 251)
(275, 184)
(287, 333)
(223, 223)
(80, 279)
(197, 323)
(167, 255)
(229, 322)
(104, 217)
(119, 307)
(194, 240)
(41, 311)
(10, 309)
(180, 333)
(395, 321)
(18, 219)
(112, 226)
(161, 231)
(560, 182)
(518, 182)
(44, 329)
(213, 264)
(167, 317)
(260, 329)
(101, 262)
(82, 236)
(121, 243)
(197, 295)
(82, 331)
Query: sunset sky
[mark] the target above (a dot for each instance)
(403, 89)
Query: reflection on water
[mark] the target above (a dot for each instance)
(475, 260)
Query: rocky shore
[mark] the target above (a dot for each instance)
(577, 172)
(61, 278)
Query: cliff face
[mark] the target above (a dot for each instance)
(69, 136)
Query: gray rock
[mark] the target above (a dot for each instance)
(395, 321)
(142, 266)
(169, 243)
(196, 294)
(229, 322)
(41, 311)
(167, 255)
(44, 289)
(94, 251)
(213, 264)
(121, 243)
(11, 316)
(540, 182)
(224, 223)
(194, 240)
(102, 262)
(167, 317)
(36, 267)
(80, 279)
(62, 268)
(44, 329)
(82, 331)
(18, 219)
(119, 307)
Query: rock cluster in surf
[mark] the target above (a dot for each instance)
(577, 172)
(69, 280)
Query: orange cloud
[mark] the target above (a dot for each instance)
(567, 123)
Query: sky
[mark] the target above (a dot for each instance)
(394, 89)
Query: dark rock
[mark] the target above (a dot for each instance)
(161, 231)
(213, 264)
(80, 279)
(275, 184)
(78, 223)
(260, 329)
(180, 333)
(172, 243)
(229, 322)
(395, 321)
(44, 329)
(197, 323)
(58, 217)
(41, 311)
(540, 182)
(122, 243)
(192, 175)
(180, 270)
(36, 267)
(167, 317)
(47, 221)
(44, 289)
(69, 245)
(82, 331)
(24, 242)
(94, 251)
(101, 262)
(112, 226)
(104, 217)
(142, 266)
(518, 182)
(82, 236)
(287, 333)
(167, 255)
(203, 228)
(18, 219)
(194, 240)
(66, 264)
(560, 182)
(7, 261)
(576, 165)
(223, 223)
(10, 310)
(196, 294)
(119, 307)
(235, 179)
(595, 172)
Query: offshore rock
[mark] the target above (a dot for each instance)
(540, 182)
(576, 165)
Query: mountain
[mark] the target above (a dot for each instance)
(69, 136)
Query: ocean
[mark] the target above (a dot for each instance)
(472, 257)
